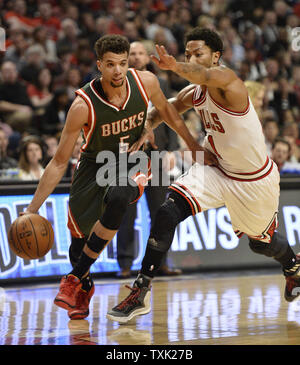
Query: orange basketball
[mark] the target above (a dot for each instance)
(30, 236)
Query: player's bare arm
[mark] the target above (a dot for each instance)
(182, 102)
(169, 114)
(223, 83)
(76, 118)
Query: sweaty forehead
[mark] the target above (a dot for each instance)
(193, 46)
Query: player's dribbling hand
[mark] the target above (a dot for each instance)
(164, 61)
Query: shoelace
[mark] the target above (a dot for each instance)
(132, 297)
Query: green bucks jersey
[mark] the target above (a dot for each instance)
(109, 129)
(113, 128)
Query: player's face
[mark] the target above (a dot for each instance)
(198, 52)
(113, 68)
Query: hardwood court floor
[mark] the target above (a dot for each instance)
(220, 309)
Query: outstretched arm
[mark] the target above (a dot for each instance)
(169, 114)
(76, 118)
(219, 76)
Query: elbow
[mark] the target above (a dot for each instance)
(59, 164)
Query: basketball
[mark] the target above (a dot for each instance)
(30, 236)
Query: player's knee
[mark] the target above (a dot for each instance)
(117, 201)
(276, 248)
(173, 211)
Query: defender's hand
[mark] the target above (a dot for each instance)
(164, 61)
(210, 159)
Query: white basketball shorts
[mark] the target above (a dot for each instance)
(252, 205)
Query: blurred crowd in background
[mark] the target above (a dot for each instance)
(49, 53)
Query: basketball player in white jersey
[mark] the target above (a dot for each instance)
(246, 180)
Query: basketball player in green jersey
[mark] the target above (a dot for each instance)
(111, 112)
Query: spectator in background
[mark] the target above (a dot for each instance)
(102, 24)
(34, 60)
(17, 17)
(88, 26)
(285, 101)
(256, 91)
(271, 132)
(40, 36)
(39, 91)
(160, 25)
(296, 82)
(51, 144)
(117, 21)
(56, 112)
(131, 32)
(68, 38)
(15, 105)
(6, 162)
(290, 132)
(234, 41)
(294, 156)
(257, 66)
(269, 29)
(16, 50)
(72, 82)
(291, 129)
(48, 21)
(280, 152)
(286, 154)
(244, 70)
(271, 80)
(31, 157)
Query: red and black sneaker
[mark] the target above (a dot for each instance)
(292, 277)
(81, 309)
(138, 302)
(66, 297)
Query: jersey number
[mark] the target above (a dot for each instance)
(123, 146)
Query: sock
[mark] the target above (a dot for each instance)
(289, 262)
(83, 265)
(87, 283)
(152, 261)
(142, 281)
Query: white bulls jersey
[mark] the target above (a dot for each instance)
(235, 137)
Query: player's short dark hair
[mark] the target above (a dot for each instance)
(211, 38)
(114, 43)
